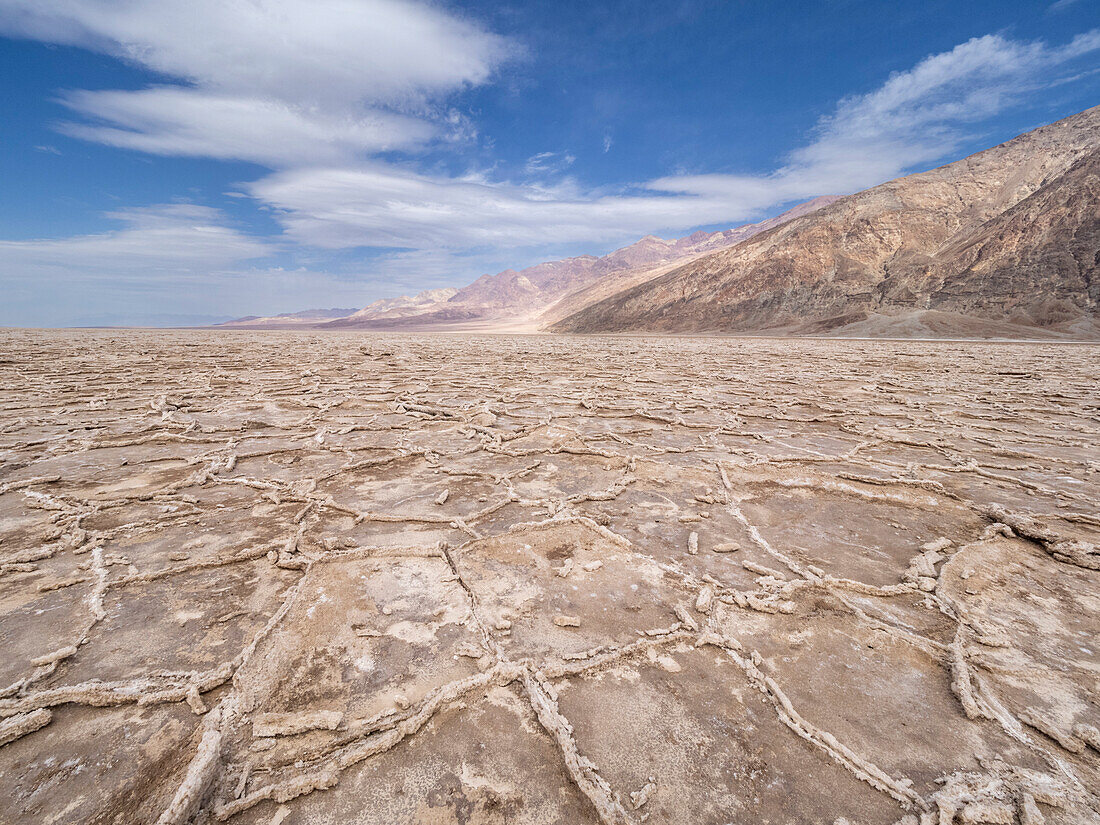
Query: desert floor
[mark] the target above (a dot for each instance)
(282, 577)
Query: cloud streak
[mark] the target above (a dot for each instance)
(316, 91)
(175, 239)
(279, 82)
(914, 118)
(338, 99)
(316, 53)
(175, 121)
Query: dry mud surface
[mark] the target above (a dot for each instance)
(300, 578)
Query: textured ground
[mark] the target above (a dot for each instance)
(342, 578)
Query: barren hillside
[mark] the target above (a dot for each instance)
(1008, 238)
(531, 298)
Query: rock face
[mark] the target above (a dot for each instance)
(549, 291)
(1010, 235)
(288, 320)
(404, 305)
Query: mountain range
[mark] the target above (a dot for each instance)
(530, 299)
(1004, 243)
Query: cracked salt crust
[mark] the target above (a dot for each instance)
(261, 578)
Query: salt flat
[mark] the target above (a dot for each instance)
(331, 578)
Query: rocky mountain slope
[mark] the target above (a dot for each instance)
(1006, 241)
(538, 295)
(305, 318)
(531, 298)
(537, 288)
(404, 305)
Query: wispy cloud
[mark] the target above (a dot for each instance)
(170, 264)
(171, 120)
(548, 163)
(319, 92)
(170, 239)
(916, 117)
(275, 81)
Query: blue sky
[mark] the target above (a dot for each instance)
(182, 161)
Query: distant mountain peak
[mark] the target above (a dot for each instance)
(536, 296)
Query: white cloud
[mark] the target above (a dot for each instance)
(316, 90)
(172, 239)
(914, 118)
(275, 81)
(548, 163)
(380, 205)
(316, 52)
(171, 120)
(168, 264)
